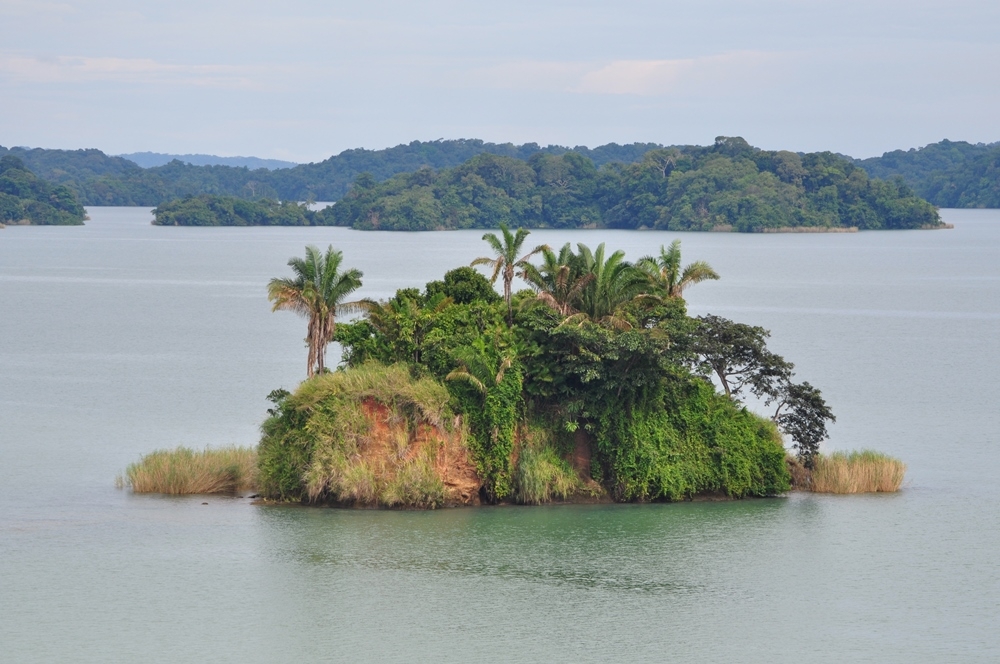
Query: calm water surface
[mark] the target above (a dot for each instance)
(118, 338)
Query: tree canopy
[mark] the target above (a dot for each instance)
(27, 198)
(948, 173)
(727, 186)
(228, 211)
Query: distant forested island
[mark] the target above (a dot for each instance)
(208, 210)
(28, 199)
(947, 174)
(729, 186)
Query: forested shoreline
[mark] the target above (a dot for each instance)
(27, 199)
(947, 174)
(730, 186)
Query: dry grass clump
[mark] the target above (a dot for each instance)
(857, 472)
(184, 471)
(379, 437)
(423, 399)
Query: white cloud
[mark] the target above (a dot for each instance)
(648, 78)
(79, 69)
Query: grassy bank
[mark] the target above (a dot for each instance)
(184, 471)
(857, 472)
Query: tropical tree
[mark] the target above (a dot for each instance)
(317, 291)
(506, 261)
(614, 283)
(665, 273)
(558, 282)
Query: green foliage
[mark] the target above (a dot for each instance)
(738, 356)
(948, 173)
(25, 197)
(618, 364)
(729, 185)
(804, 419)
(542, 474)
(488, 385)
(209, 210)
(680, 438)
(463, 285)
(98, 179)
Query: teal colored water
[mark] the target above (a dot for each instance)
(118, 338)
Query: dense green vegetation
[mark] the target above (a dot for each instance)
(98, 179)
(207, 210)
(594, 380)
(948, 173)
(727, 186)
(25, 197)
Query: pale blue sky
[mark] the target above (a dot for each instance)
(302, 80)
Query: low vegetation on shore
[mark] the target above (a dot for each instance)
(185, 471)
(864, 471)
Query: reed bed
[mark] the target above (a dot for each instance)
(185, 471)
(865, 471)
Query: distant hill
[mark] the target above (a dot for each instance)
(70, 166)
(26, 198)
(98, 179)
(151, 159)
(947, 173)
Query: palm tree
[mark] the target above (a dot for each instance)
(558, 282)
(317, 292)
(615, 282)
(506, 261)
(666, 274)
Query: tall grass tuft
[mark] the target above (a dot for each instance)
(857, 472)
(542, 475)
(184, 471)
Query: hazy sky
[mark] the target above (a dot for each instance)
(302, 80)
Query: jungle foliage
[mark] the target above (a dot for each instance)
(600, 356)
(206, 210)
(726, 186)
(948, 174)
(24, 197)
(100, 179)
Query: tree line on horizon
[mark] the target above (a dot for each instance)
(729, 185)
(947, 174)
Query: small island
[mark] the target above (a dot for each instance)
(594, 385)
(208, 210)
(27, 199)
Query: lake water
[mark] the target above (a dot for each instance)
(118, 337)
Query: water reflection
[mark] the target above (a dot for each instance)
(621, 548)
